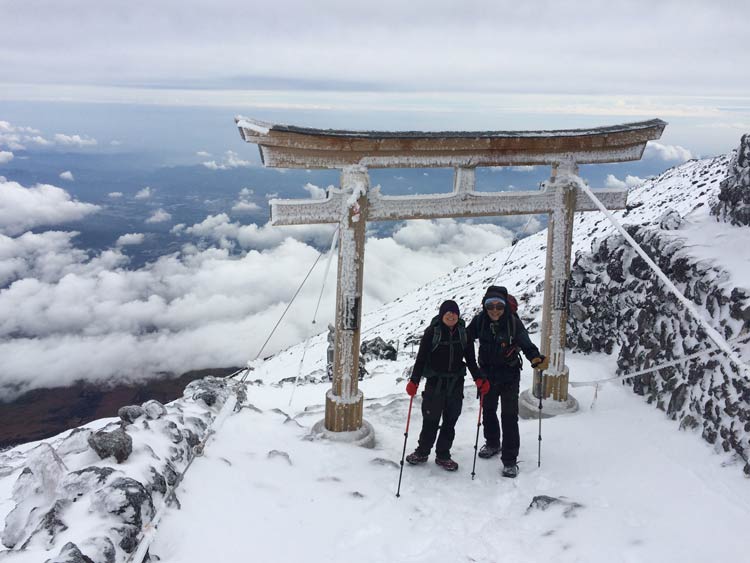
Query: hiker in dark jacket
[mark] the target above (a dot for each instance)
(440, 360)
(502, 337)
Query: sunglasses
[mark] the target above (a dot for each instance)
(495, 306)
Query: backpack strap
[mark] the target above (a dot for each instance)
(437, 333)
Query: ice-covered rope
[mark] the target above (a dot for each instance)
(334, 240)
(281, 318)
(706, 352)
(712, 333)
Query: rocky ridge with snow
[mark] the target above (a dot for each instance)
(119, 471)
(733, 201)
(620, 305)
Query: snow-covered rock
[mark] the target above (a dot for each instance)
(620, 305)
(378, 349)
(114, 476)
(733, 201)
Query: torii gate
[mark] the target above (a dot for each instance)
(354, 204)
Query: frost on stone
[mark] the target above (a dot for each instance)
(117, 443)
(733, 202)
(129, 413)
(154, 409)
(670, 220)
(34, 493)
(75, 442)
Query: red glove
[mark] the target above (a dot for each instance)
(483, 385)
(411, 388)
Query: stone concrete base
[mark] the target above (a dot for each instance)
(528, 406)
(364, 437)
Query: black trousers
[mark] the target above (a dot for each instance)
(506, 393)
(440, 399)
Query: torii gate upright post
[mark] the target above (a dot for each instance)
(351, 206)
(344, 400)
(555, 304)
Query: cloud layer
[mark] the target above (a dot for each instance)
(25, 208)
(68, 314)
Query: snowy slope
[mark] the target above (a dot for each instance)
(630, 487)
(686, 189)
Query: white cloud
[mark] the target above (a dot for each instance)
(5, 157)
(245, 204)
(130, 239)
(245, 207)
(23, 208)
(67, 175)
(667, 152)
(219, 229)
(92, 318)
(145, 193)
(74, 140)
(16, 137)
(315, 191)
(630, 181)
(159, 216)
(203, 154)
(114, 195)
(231, 160)
(523, 168)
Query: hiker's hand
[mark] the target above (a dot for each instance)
(411, 388)
(483, 386)
(540, 362)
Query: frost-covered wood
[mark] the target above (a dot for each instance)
(437, 206)
(286, 146)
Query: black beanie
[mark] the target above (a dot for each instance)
(447, 306)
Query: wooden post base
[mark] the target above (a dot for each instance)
(343, 415)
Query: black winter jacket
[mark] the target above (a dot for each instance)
(447, 359)
(500, 343)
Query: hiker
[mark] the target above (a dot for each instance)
(501, 337)
(440, 360)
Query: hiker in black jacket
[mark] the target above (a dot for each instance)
(501, 337)
(440, 360)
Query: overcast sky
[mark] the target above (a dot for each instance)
(469, 64)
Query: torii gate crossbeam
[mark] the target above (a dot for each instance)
(355, 204)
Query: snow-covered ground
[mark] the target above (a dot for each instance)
(264, 492)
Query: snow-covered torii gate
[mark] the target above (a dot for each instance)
(354, 204)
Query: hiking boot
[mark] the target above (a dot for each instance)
(415, 458)
(488, 451)
(447, 464)
(510, 471)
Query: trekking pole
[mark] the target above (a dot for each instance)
(403, 454)
(476, 442)
(539, 454)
